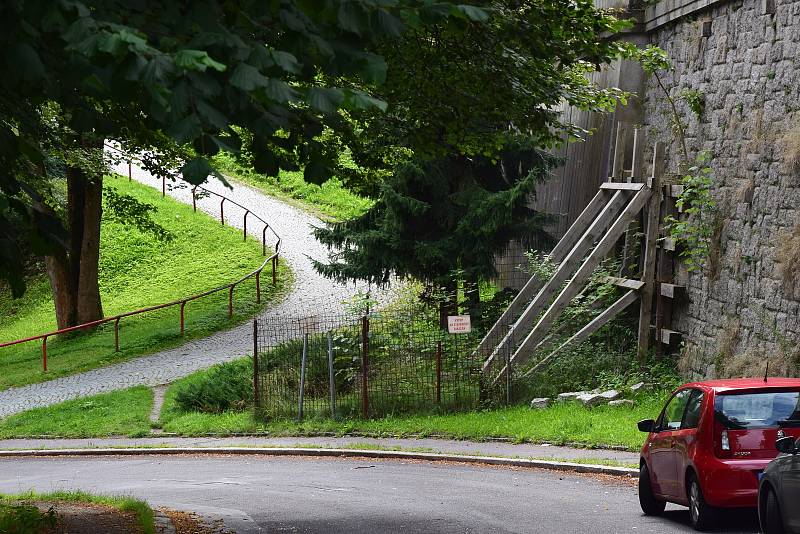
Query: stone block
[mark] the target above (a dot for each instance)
(540, 403)
(570, 395)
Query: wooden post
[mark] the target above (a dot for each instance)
(163, 186)
(649, 262)
(620, 144)
(44, 354)
(116, 335)
(183, 305)
(230, 301)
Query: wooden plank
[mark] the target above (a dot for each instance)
(668, 244)
(534, 284)
(625, 186)
(651, 237)
(598, 322)
(619, 153)
(638, 154)
(669, 337)
(675, 190)
(565, 269)
(581, 276)
(625, 282)
(672, 291)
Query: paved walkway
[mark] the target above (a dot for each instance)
(310, 294)
(487, 448)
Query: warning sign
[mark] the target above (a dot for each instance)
(458, 324)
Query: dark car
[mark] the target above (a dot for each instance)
(711, 442)
(779, 489)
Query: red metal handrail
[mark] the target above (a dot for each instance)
(181, 302)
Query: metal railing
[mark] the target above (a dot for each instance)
(230, 287)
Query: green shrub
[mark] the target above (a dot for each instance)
(226, 386)
(25, 519)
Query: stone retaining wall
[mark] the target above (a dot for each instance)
(744, 56)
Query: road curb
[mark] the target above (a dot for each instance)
(337, 453)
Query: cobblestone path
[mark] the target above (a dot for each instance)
(311, 293)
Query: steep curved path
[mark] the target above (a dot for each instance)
(310, 294)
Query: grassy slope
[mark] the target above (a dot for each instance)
(138, 271)
(112, 414)
(330, 200)
(143, 512)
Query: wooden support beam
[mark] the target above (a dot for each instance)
(624, 186)
(565, 269)
(581, 276)
(534, 284)
(583, 334)
(651, 237)
(672, 291)
(620, 144)
(670, 337)
(626, 283)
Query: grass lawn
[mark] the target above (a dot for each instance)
(123, 412)
(12, 506)
(330, 201)
(137, 271)
(563, 423)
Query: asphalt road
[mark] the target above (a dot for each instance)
(267, 494)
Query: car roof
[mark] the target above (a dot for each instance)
(731, 384)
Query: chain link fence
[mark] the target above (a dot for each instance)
(345, 365)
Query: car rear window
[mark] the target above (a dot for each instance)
(758, 410)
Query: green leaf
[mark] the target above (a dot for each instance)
(374, 69)
(265, 162)
(285, 60)
(325, 99)
(281, 91)
(196, 170)
(212, 115)
(198, 60)
(360, 100)
(387, 23)
(247, 78)
(473, 13)
(27, 62)
(352, 18)
(186, 129)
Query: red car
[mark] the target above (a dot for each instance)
(712, 441)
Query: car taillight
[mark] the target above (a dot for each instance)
(722, 445)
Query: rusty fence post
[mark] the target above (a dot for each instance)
(230, 301)
(365, 367)
(244, 230)
(258, 286)
(222, 211)
(130, 171)
(264, 241)
(439, 372)
(116, 334)
(183, 316)
(275, 270)
(44, 354)
(256, 392)
(163, 186)
(194, 199)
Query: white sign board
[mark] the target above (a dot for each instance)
(458, 324)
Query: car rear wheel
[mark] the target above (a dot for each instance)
(771, 522)
(650, 505)
(700, 513)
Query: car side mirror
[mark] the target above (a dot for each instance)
(786, 445)
(646, 425)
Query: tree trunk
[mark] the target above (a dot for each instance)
(74, 273)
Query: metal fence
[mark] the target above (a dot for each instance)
(369, 366)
